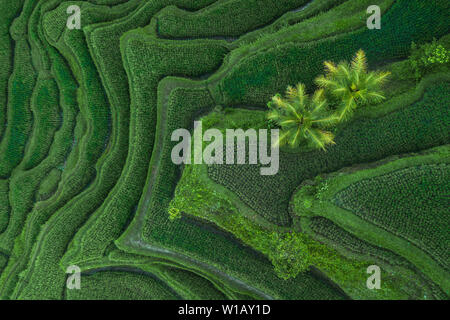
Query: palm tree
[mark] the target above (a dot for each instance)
(302, 119)
(352, 84)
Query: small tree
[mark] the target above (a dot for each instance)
(302, 119)
(352, 84)
(290, 254)
(428, 57)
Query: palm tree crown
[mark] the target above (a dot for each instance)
(352, 84)
(301, 118)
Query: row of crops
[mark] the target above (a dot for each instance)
(86, 118)
(418, 229)
(419, 197)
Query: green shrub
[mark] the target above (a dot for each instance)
(428, 57)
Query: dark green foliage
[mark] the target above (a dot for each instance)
(20, 87)
(411, 203)
(10, 10)
(189, 285)
(46, 116)
(230, 18)
(50, 184)
(4, 205)
(121, 285)
(3, 262)
(429, 57)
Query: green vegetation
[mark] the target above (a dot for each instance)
(121, 285)
(363, 200)
(347, 86)
(368, 137)
(415, 283)
(429, 57)
(197, 195)
(50, 184)
(352, 85)
(302, 118)
(222, 18)
(419, 205)
(87, 179)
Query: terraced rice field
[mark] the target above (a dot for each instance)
(87, 179)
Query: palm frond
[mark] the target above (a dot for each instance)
(319, 102)
(321, 138)
(330, 67)
(330, 120)
(291, 92)
(295, 139)
(381, 77)
(344, 70)
(324, 82)
(346, 109)
(273, 114)
(375, 96)
(301, 94)
(282, 139)
(359, 62)
(287, 122)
